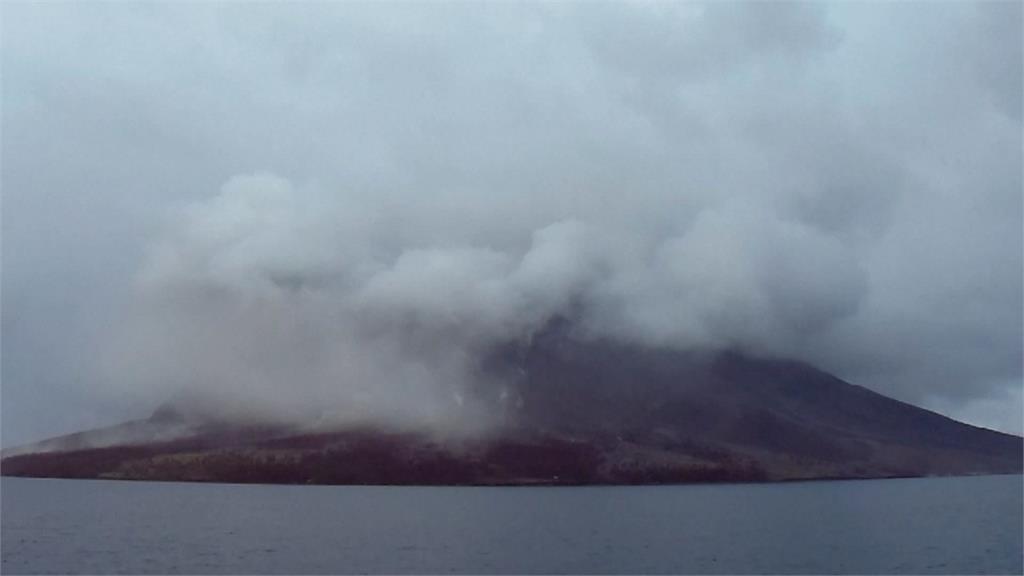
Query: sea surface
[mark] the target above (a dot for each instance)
(931, 525)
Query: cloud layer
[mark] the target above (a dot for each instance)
(344, 200)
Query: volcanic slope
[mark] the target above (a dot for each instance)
(568, 410)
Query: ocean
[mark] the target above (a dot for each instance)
(927, 525)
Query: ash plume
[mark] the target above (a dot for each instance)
(345, 207)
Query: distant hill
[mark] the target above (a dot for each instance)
(572, 411)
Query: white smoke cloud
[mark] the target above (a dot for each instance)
(274, 300)
(838, 183)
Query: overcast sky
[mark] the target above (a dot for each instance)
(233, 196)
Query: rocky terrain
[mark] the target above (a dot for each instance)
(571, 411)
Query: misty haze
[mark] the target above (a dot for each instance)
(451, 247)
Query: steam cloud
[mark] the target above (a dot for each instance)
(402, 187)
(284, 302)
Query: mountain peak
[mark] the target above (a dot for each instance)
(573, 410)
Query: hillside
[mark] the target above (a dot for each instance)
(571, 411)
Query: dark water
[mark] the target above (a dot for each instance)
(935, 525)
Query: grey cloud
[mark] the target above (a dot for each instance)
(835, 182)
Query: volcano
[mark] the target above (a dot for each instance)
(572, 411)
